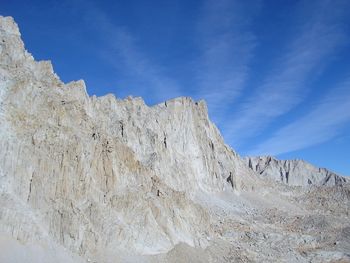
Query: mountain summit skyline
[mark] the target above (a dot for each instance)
(103, 179)
(275, 74)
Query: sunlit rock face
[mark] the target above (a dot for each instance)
(109, 180)
(104, 171)
(293, 172)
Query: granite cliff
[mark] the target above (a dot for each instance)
(102, 179)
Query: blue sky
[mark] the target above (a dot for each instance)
(275, 74)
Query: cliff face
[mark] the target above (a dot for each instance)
(100, 177)
(293, 172)
(103, 171)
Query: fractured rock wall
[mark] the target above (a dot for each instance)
(103, 172)
(102, 178)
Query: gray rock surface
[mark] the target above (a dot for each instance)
(100, 179)
(293, 172)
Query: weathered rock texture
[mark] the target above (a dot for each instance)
(108, 180)
(293, 172)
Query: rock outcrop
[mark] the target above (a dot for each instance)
(293, 172)
(102, 179)
(94, 167)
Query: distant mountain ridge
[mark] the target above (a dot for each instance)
(293, 172)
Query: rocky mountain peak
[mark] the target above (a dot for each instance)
(293, 172)
(104, 179)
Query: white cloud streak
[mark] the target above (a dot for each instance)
(321, 124)
(227, 47)
(122, 52)
(285, 86)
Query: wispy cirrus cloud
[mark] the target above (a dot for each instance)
(286, 85)
(321, 124)
(226, 46)
(121, 51)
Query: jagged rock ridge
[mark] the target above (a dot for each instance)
(115, 180)
(293, 172)
(96, 166)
